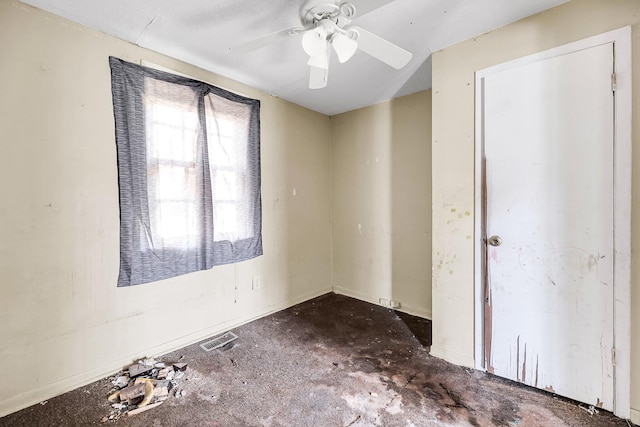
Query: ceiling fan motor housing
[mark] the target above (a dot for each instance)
(339, 14)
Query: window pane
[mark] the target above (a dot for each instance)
(172, 142)
(168, 142)
(227, 133)
(224, 187)
(175, 183)
(163, 155)
(223, 151)
(175, 224)
(225, 227)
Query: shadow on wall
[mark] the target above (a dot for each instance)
(411, 202)
(382, 203)
(302, 204)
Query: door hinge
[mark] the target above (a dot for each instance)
(613, 356)
(614, 85)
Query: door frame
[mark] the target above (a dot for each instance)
(622, 169)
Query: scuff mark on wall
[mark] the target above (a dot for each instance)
(593, 261)
(446, 262)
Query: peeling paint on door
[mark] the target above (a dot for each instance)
(548, 317)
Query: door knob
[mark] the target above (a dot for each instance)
(495, 241)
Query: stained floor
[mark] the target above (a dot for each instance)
(331, 361)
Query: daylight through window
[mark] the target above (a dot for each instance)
(189, 174)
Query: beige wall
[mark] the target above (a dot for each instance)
(381, 202)
(453, 160)
(63, 322)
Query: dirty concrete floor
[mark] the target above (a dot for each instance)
(331, 361)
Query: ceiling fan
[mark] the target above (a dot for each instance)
(325, 25)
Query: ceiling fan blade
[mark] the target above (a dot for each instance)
(381, 49)
(318, 77)
(266, 40)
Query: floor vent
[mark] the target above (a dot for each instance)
(219, 341)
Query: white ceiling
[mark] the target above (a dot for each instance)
(203, 33)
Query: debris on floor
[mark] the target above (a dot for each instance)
(315, 368)
(144, 385)
(591, 409)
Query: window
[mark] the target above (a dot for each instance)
(189, 174)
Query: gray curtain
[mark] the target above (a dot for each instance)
(189, 174)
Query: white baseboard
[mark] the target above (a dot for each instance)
(635, 416)
(452, 357)
(362, 296)
(414, 311)
(49, 391)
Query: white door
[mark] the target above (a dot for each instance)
(548, 135)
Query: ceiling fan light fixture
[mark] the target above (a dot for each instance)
(314, 41)
(344, 46)
(320, 61)
(327, 23)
